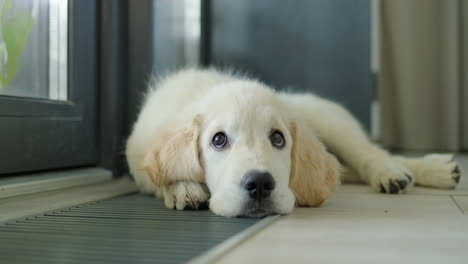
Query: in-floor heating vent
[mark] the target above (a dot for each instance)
(128, 229)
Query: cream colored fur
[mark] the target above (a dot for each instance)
(170, 154)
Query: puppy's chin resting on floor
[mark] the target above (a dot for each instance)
(203, 135)
(258, 209)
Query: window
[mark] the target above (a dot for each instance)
(48, 86)
(176, 31)
(33, 49)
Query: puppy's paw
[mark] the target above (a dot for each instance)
(438, 170)
(185, 194)
(389, 176)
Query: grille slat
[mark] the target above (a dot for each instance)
(97, 249)
(165, 235)
(54, 256)
(113, 227)
(144, 216)
(161, 244)
(117, 220)
(135, 224)
(129, 229)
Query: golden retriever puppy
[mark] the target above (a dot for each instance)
(204, 135)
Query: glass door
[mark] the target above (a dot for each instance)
(47, 84)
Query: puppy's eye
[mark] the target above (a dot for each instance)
(277, 139)
(220, 140)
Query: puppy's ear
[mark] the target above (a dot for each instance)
(314, 171)
(175, 155)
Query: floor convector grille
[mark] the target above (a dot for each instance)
(127, 229)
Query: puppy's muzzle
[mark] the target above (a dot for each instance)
(258, 184)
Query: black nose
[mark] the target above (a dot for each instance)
(258, 184)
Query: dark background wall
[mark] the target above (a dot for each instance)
(320, 46)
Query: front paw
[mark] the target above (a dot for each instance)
(388, 176)
(185, 194)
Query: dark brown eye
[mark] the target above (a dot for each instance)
(277, 139)
(220, 140)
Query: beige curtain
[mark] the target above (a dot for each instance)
(422, 78)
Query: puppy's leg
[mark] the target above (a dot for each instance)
(434, 170)
(184, 194)
(345, 138)
(179, 195)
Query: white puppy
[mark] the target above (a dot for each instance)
(206, 135)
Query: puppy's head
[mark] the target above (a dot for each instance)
(254, 156)
(257, 157)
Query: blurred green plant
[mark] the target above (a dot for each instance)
(14, 30)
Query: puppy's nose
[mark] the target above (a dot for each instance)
(258, 184)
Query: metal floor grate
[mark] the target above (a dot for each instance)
(128, 229)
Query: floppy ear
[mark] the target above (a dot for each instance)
(175, 155)
(314, 171)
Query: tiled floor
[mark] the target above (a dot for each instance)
(359, 226)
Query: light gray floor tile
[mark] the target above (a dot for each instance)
(386, 203)
(360, 226)
(355, 237)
